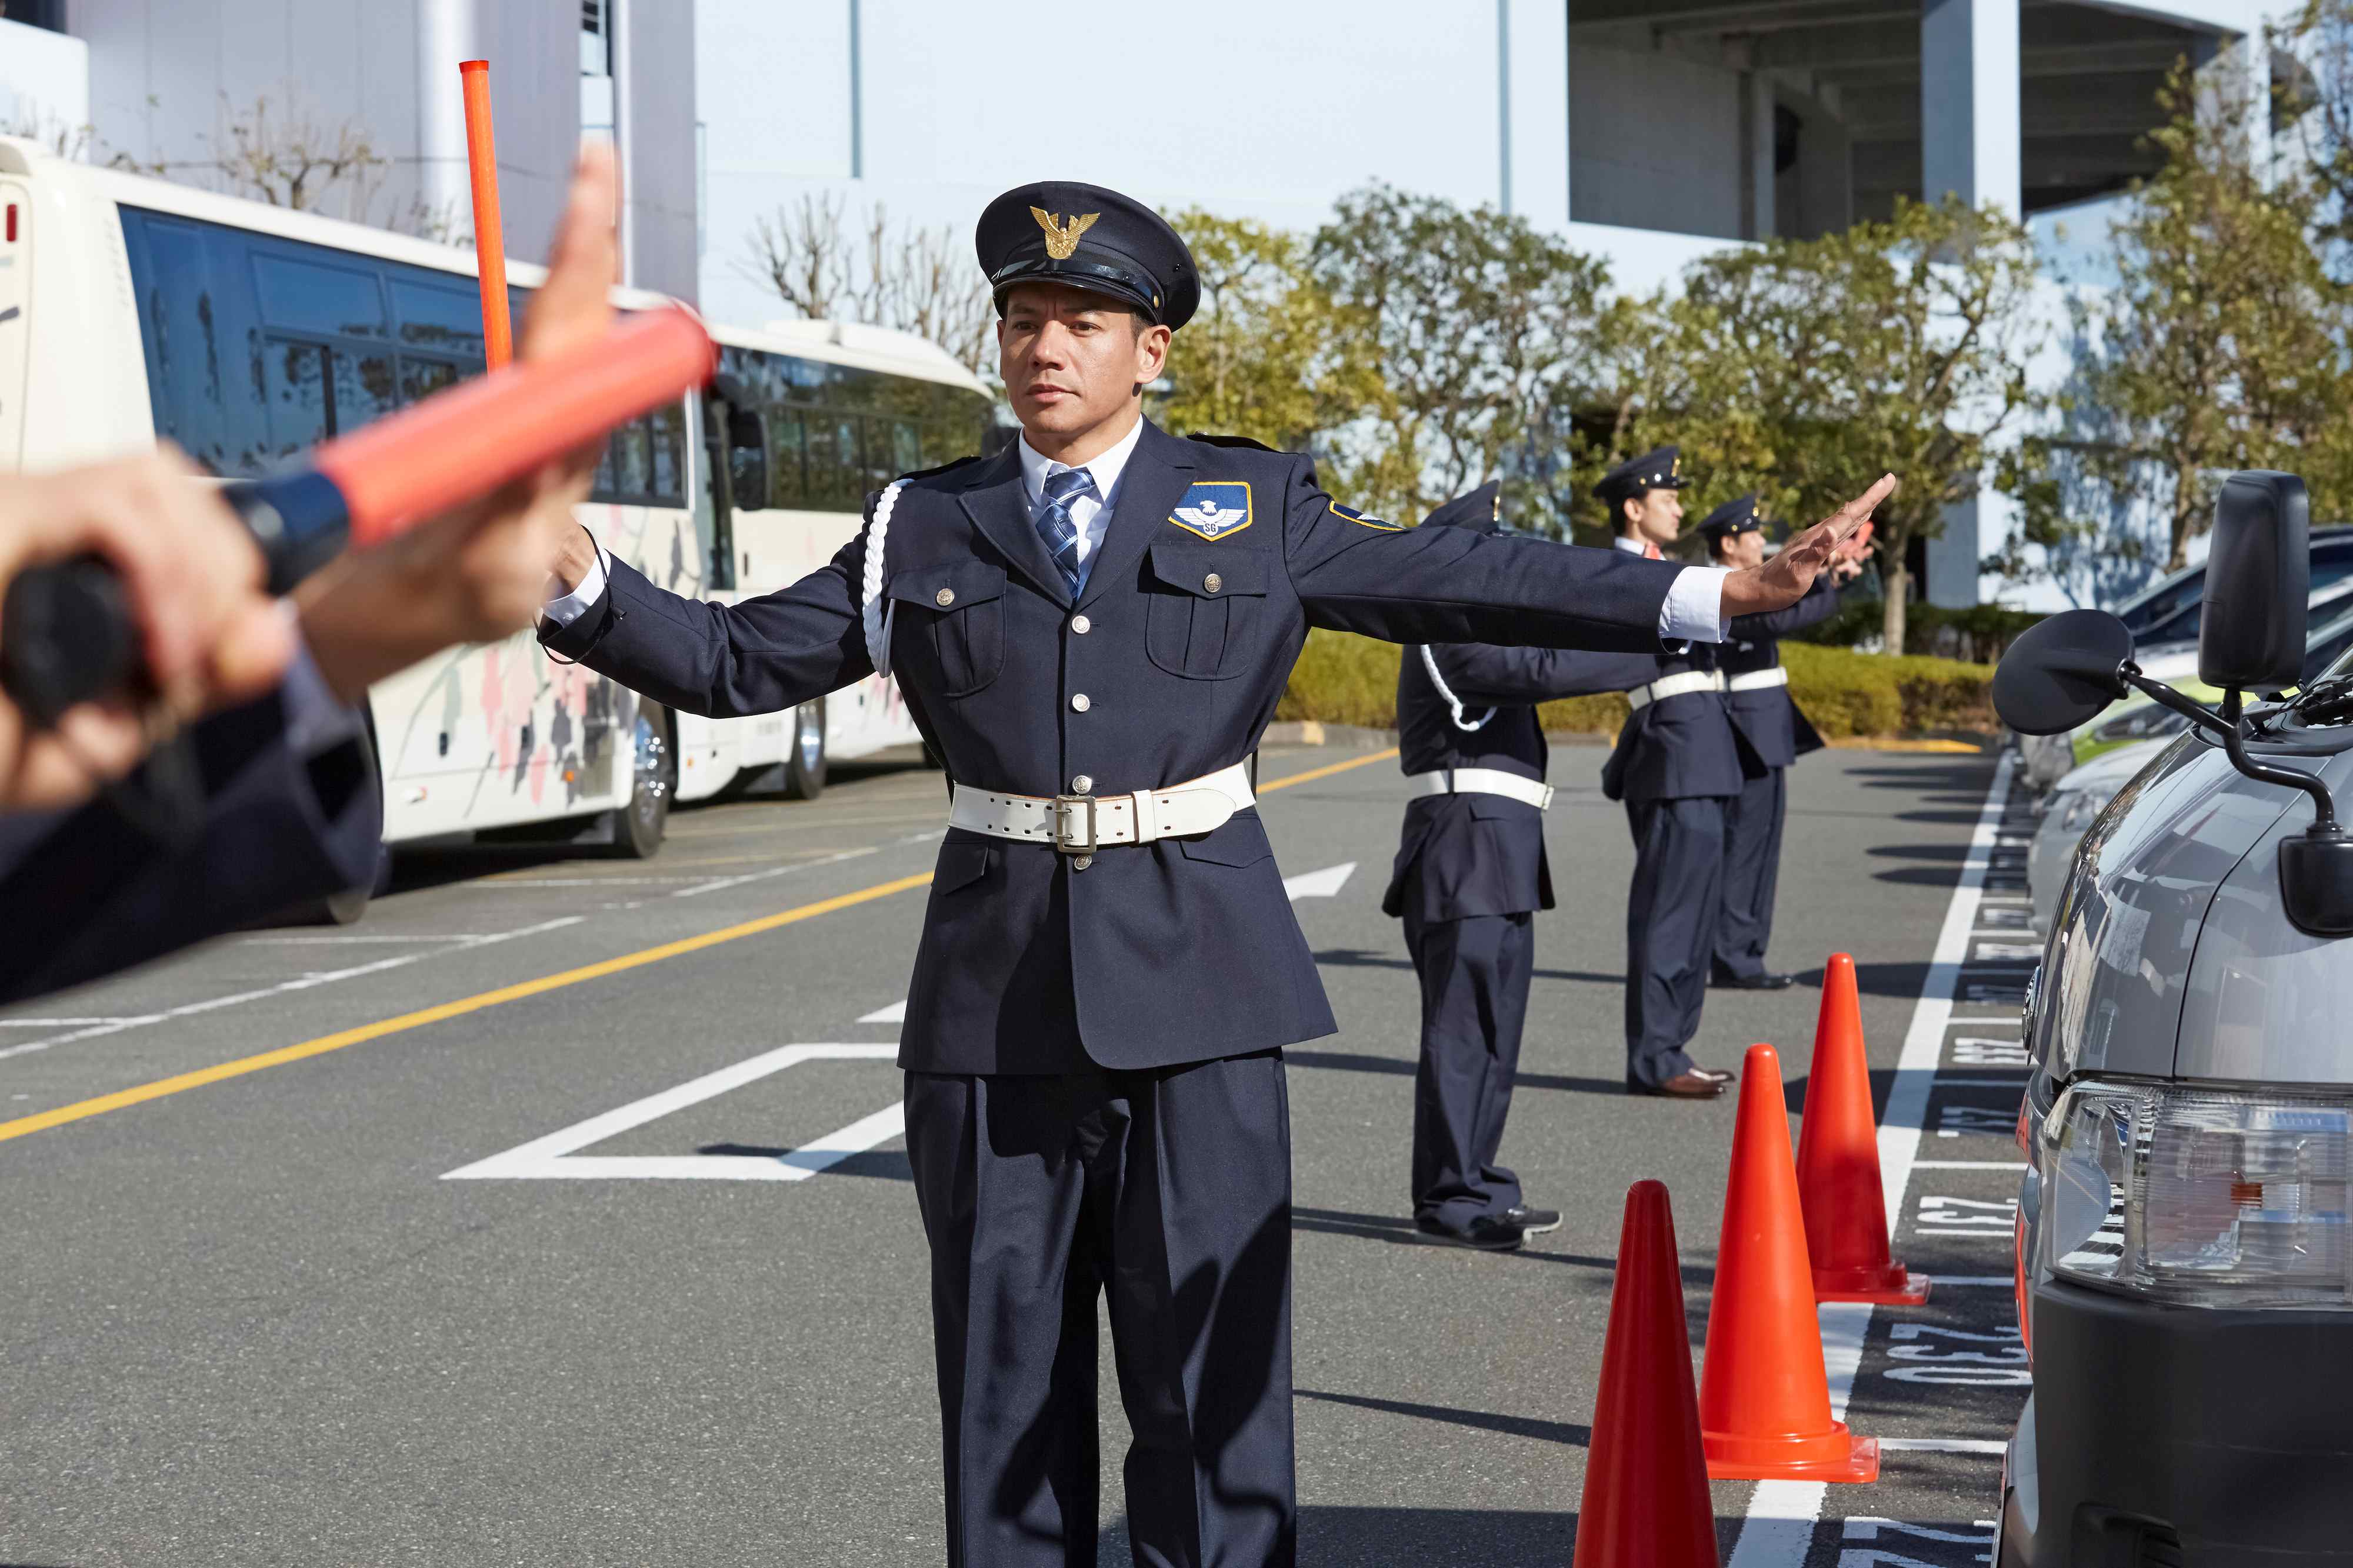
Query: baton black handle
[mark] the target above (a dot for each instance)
(67, 635)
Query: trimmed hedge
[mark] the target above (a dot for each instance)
(1341, 678)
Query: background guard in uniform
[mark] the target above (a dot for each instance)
(1092, 629)
(1775, 735)
(1471, 872)
(1676, 765)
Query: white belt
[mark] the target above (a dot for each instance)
(1758, 679)
(1479, 781)
(1080, 824)
(1675, 686)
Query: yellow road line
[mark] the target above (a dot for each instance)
(418, 1019)
(1287, 780)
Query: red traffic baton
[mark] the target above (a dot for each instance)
(67, 632)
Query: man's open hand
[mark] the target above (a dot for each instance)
(478, 572)
(1783, 580)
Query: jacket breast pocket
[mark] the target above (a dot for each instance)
(951, 618)
(1207, 602)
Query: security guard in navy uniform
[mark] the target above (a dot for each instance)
(1774, 734)
(1471, 873)
(1676, 766)
(1092, 629)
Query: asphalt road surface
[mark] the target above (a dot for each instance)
(556, 1214)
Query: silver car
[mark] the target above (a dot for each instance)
(2185, 1251)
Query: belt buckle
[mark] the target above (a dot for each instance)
(1064, 806)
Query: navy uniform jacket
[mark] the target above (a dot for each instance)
(1173, 951)
(1769, 719)
(1681, 746)
(291, 814)
(1484, 853)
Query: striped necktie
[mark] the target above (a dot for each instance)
(1055, 524)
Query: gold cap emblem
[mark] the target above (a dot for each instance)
(1061, 239)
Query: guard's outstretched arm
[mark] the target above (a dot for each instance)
(1485, 677)
(762, 656)
(1357, 573)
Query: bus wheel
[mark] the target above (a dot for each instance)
(638, 828)
(805, 760)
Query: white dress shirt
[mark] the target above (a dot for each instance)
(1694, 609)
(1090, 514)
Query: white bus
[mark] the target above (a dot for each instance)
(133, 309)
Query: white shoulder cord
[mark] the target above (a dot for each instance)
(875, 612)
(1453, 703)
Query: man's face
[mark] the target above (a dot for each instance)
(1071, 359)
(1743, 550)
(1657, 516)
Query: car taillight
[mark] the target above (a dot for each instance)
(12, 222)
(2200, 1197)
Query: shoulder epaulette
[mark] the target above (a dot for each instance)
(1243, 441)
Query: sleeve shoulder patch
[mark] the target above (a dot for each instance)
(1361, 520)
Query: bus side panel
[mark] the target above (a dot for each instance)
(780, 548)
(16, 328)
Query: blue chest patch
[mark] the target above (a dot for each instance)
(1214, 507)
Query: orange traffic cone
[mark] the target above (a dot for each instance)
(1646, 1502)
(1838, 1161)
(1764, 1397)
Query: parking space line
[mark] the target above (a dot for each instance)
(310, 982)
(1968, 1164)
(140, 1094)
(1779, 1528)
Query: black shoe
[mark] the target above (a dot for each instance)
(1533, 1222)
(1725, 980)
(1487, 1233)
(1695, 1084)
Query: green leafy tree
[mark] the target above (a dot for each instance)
(1269, 354)
(1483, 331)
(1816, 365)
(2223, 344)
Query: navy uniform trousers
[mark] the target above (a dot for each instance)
(289, 812)
(1095, 1086)
(1471, 872)
(1774, 734)
(1677, 767)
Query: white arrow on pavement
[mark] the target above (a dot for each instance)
(1324, 884)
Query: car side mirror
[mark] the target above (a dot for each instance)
(2258, 576)
(2060, 672)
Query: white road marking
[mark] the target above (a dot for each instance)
(1993, 1445)
(896, 1013)
(1968, 1164)
(556, 1156)
(356, 941)
(714, 884)
(1780, 1530)
(311, 981)
(1324, 884)
(53, 1022)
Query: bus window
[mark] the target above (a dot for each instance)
(364, 390)
(295, 381)
(666, 429)
(424, 377)
(906, 449)
(315, 296)
(446, 318)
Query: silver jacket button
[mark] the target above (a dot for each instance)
(1083, 784)
(1078, 702)
(1081, 625)
(1082, 862)
(1213, 582)
(945, 597)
